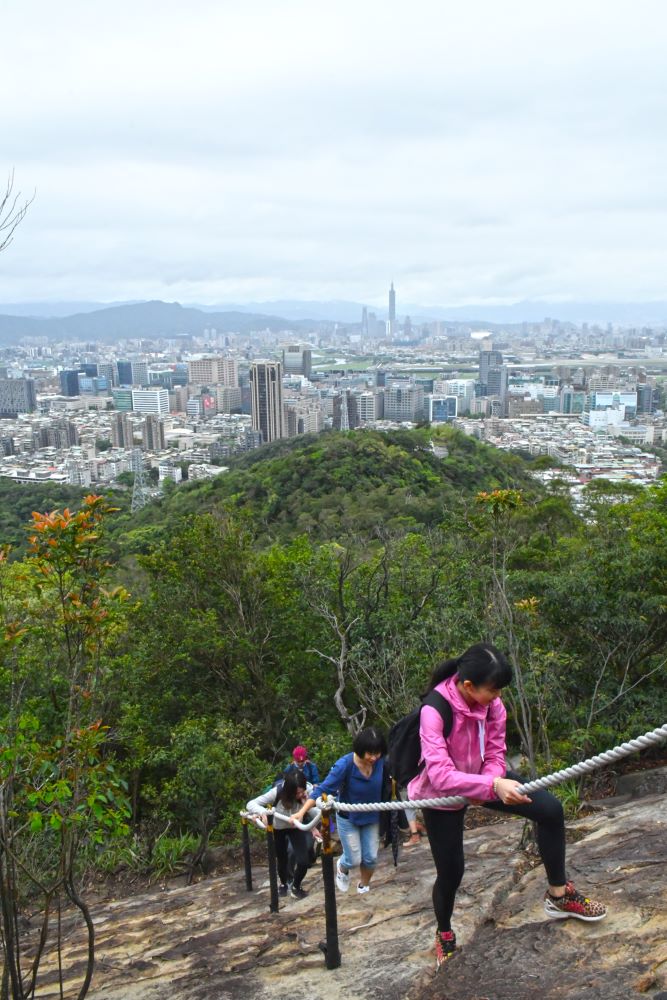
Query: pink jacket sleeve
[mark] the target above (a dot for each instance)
(441, 772)
(494, 742)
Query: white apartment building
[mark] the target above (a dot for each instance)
(369, 411)
(150, 401)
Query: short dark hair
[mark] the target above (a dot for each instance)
(370, 740)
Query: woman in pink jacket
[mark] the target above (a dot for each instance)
(470, 762)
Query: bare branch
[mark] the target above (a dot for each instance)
(12, 212)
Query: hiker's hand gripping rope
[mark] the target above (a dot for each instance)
(280, 821)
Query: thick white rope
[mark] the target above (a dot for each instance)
(624, 750)
(281, 820)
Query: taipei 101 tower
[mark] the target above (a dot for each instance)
(392, 312)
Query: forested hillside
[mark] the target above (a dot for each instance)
(328, 485)
(310, 589)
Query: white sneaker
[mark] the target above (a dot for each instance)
(342, 878)
(361, 889)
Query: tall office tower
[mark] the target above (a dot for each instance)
(496, 382)
(89, 369)
(297, 360)
(152, 434)
(124, 369)
(267, 399)
(17, 395)
(488, 359)
(107, 370)
(150, 401)
(140, 373)
(122, 431)
(364, 321)
(392, 310)
(69, 382)
(645, 401)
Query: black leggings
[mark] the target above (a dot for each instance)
(300, 841)
(445, 834)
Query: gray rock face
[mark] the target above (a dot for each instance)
(215, 941)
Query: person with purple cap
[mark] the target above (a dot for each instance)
(300, 762)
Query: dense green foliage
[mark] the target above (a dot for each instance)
(328, 485)
(17, 502)
(314, 587)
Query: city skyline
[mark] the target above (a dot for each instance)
(266, 153)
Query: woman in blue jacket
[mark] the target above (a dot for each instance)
(356, 777)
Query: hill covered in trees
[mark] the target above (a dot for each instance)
(331, 484)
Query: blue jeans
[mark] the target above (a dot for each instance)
(360, 843)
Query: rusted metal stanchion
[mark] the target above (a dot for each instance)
(246, 854)
(330, 946)
(271, 857)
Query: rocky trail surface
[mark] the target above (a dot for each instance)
(215, 941)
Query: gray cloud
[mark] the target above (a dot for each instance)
(270, 150)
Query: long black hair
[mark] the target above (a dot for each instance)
(480, 664)
(292, 781)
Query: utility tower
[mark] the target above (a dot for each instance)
(140, 495)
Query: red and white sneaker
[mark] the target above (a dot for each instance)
(573, 904)
(445, 946)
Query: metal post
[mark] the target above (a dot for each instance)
(271, 857)
(246, 854)
(330, 946)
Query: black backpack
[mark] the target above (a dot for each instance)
(405, 752)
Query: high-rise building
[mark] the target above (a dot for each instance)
(124, 369)
(297, 360)
(107, 370)
(228, 398)
(150, 401)
(645, 400)
(213, 371)
(152, 434)
(122, 399)
(267, 399)
(140, 373)
(496, 382)
(488, 359)
(303, 418)
(122, 431)
(440, 409)
(367, 403)
(392, 310)
(17, 395)
(69, 382)
(404, 401)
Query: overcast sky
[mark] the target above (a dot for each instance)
(231, 152)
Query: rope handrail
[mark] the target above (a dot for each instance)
(584, 767)
(281, 819)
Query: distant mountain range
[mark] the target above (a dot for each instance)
(132, 320)
(148, 320)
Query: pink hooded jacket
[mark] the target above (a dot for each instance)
(467, 761)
